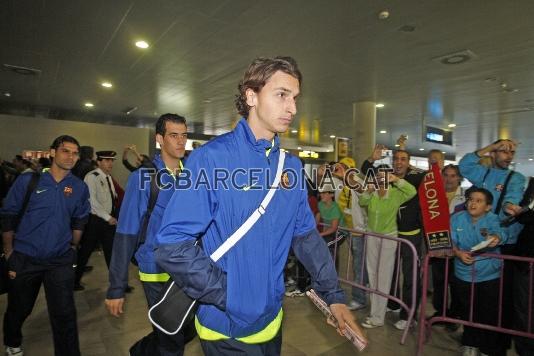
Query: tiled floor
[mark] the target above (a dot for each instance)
(304, 330)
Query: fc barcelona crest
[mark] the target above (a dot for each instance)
(67, 191)
(284, 180)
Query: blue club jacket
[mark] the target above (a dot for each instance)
(133, 209)
(466, 234)
(494, 181)
(54, 210)
(242, 292)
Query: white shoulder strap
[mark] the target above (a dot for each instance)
(236, 236)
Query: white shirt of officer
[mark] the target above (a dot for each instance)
(99, 196)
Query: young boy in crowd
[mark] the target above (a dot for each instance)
(469, 228)
(330, 215)
(382, 207)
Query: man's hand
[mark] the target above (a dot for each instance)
(465, 257)
(377, 153)
(7, 253)
(512, 209)
(115, 306)
(112, 221)
(504, 145)
(344, 317)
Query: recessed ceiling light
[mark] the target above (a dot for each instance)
(294, 131)
(444, 152)
(452, 125)
(7, 94)
(299, 148)
(421, 149)
(332, 136)
(142, 44)
(89, 105)
(397, 145)
(106, 84)
(383, 15)
(383, 131)
(531, 159)
(379, 105)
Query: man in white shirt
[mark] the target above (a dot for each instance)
(104, 213)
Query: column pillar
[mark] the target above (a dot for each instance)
(364, 123)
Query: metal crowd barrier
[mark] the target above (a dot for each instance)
(358, 281)
(425, 325)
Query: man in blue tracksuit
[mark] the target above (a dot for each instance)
(43, 250)
(493, 179)
(241, 295)
(496, 179)
(171, 134)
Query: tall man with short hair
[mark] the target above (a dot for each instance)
(507, 187)
(171, 134)
(241, 294)
(43, 249)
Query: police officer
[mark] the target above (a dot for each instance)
(43, 250)
(104, 213)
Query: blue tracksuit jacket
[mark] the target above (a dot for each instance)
(466, 234)
(241, 293)
(494, 181)
(133, 209)
(54, 210)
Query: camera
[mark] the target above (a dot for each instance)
(387, 153)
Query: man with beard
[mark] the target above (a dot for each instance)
(136, 218)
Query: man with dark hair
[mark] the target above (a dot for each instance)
(241, 294)
(48, 229)
(409, 223)
(86, 163)
(456, 199)
(507, 187)
(104, 213)
(138, 218)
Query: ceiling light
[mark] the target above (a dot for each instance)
(383, 15)
(397, 145)
(106, 84)
(299, 148)
(531, 159)
(332, 136)
(379, 105)
(421, 149)
(294, 131)
(444, 152)
(89, 105)
(7, 94)
(452, 125)
(142, 44)
(456, 58)
(383, 131)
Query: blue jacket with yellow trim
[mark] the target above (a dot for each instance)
(242, 292)
(53, 211)
(133, 209)
(493, 180)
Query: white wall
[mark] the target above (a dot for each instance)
(19, 133)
